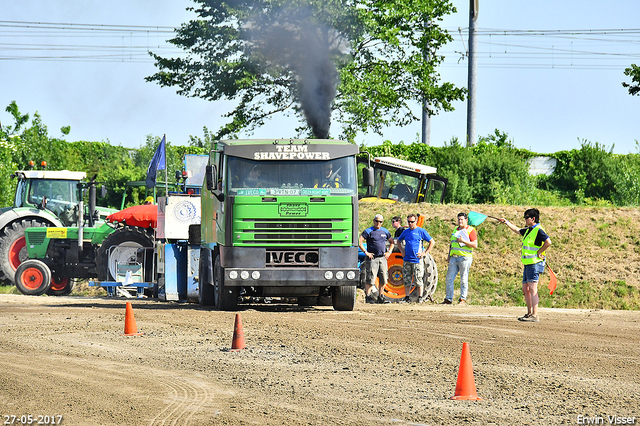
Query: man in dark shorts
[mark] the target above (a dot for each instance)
(376, 255)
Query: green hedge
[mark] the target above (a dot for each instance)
(495, 172)
(491, 172)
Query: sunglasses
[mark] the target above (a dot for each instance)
(528, 217)
(411, 221)
(377, 221)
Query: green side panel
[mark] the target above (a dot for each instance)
(293, 221)
(37, 242)
(97, 235)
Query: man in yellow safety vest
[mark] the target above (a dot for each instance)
(463, 241)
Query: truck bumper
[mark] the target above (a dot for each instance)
(246, 266)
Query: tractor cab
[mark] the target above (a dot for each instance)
(55, 191)
(396, 180)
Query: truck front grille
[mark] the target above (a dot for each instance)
(294, 231)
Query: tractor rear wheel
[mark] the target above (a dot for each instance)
(122, 246)
(13, 247)
(33, 277)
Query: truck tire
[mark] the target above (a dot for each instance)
(226, 297)
(33, 277)
(13, 247)
(123, 244)
(61, 286)
(206, 291)
(344, 298)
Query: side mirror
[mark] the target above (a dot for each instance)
(367, 176)
(210, 176)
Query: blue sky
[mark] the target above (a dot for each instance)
(547, 89)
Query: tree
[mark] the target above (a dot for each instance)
(634, 73)
(361, 62)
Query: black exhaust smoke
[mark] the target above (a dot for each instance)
(293, 42)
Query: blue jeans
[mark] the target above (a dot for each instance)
(457, 264)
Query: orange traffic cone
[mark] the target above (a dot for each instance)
(466, 385)
(238, 335)
(130, 328)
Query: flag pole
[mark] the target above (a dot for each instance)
(166, 178)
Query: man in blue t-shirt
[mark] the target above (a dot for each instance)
(413, 252)
(376, 255)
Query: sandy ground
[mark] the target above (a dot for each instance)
(377, 365)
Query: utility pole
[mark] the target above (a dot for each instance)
(471, 100)
(426, 118)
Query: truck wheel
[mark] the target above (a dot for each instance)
(122, 246)
(206, 291)
(344, 298)
(33, 277)
(13, 247)
(61, 286)
(226, 297)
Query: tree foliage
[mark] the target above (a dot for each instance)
(293, 57)
(634, 72)
(25, 140)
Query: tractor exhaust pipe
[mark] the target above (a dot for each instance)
(92, 203)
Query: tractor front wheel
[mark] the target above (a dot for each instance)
(33, 277)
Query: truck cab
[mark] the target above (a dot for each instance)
(279, 219)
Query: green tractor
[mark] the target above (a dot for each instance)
(43, 198)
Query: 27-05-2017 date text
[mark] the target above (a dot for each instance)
(29, 419)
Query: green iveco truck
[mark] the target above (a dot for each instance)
(279, 219)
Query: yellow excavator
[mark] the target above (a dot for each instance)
(391, 180)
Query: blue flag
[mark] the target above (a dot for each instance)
(158, 162)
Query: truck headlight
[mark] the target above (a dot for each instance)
(233, 275)
(255, 275)
(351, 275)
(328, 275)
(244, 275)
(339, 275)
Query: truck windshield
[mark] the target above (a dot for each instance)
(395, 186)
(330, 177)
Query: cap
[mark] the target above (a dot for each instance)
(149, 199)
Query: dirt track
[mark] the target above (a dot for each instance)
(381, 364)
